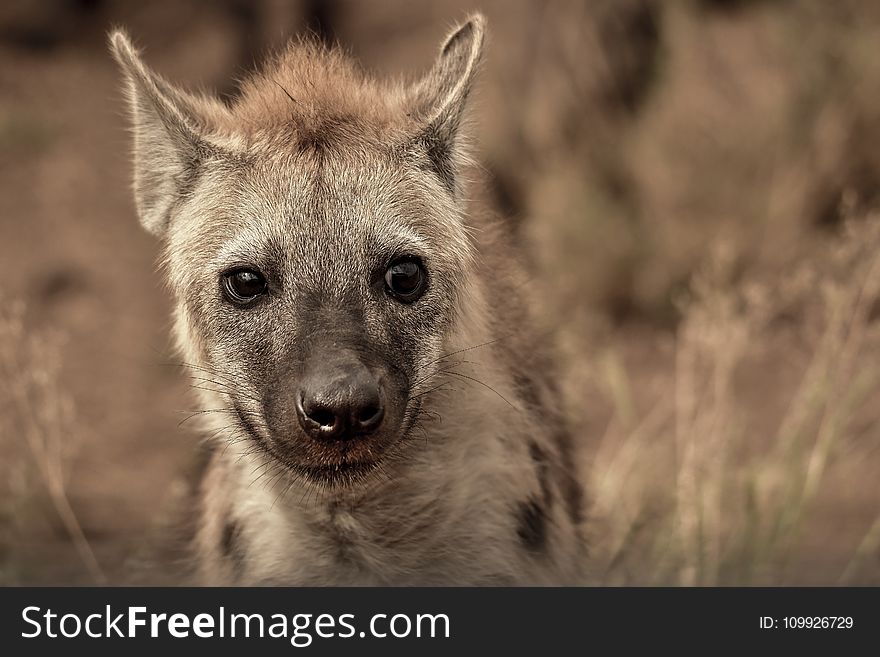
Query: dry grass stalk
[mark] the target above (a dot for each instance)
(42, 414)
(739, 506)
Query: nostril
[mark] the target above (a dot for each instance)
(322, 416)
(369, 416)
(367, 412)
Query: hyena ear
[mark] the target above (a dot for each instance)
(168, 126)
(441, 96)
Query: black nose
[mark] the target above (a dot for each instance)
(340, 405)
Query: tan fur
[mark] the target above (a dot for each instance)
(315, 169)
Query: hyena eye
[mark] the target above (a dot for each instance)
(242, 286)
(405, 279)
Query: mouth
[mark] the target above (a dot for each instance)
(347, 463)
(337, 464)
(339, 474)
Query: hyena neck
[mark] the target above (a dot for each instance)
(441, 514)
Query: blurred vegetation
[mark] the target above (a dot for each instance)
(708, 486)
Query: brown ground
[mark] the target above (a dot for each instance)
(624, 139)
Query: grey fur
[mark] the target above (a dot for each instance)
(319, 175)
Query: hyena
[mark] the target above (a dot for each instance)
(381, 406)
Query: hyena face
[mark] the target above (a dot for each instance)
(314, 244)
(322, 286)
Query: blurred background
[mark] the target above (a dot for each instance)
(694, 184)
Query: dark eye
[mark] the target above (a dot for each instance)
(242, 286)
(406, 279)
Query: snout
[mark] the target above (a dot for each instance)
(340, 400)
(335, 412)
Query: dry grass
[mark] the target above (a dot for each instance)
(692, 491)
(37, 421)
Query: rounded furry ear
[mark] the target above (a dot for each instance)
(168, 125)
(440, 97)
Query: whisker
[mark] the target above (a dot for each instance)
(207, 411)
(222, 388)
(229, 378)
(426, 392)
(485, 385)
(461, 351)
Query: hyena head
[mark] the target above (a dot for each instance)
(314, 242)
